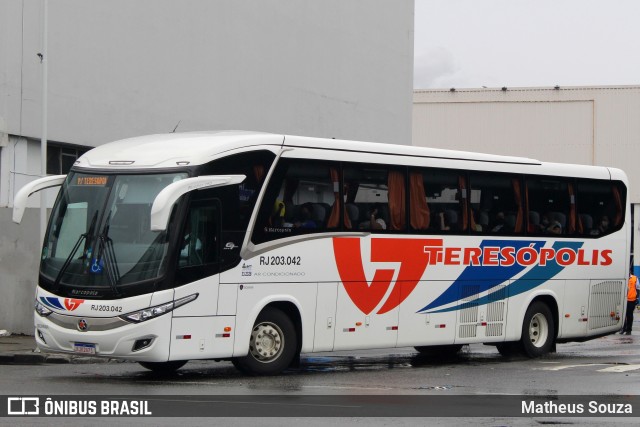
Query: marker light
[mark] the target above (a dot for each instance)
(158, 310)
(42, 310)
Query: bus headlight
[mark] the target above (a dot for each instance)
(42, 310)
(158, 310)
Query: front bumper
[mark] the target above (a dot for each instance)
(111, 336)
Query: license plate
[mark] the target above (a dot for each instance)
(84, 348)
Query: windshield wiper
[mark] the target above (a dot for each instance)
(111, 264)
(67, 261)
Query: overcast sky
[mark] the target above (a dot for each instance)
(515, 43)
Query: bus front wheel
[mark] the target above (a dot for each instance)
(272, 345)
(538, 330)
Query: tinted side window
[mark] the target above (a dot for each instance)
(199, 245)
(375, 198)
(302, 197)
(438, 201)
(600, 207)
(238, 200)
(496, 204)
(199, 242)
(551, 206)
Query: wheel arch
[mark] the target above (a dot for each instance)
(551, 301)
(285, 303)
(293, 311)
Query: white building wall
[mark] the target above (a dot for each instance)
(122, 68)
(534, 129)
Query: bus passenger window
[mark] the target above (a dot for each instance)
(437, 201)
(496, 204)
(302, 197)
(240, 200)
(600, 207)
(376, 194)
(552, 201)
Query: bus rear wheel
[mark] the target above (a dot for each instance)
(272, 345)
(164, 367)
(538, 330)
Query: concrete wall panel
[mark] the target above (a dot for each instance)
(19, 260)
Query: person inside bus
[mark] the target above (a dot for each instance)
(549, 226)
(277, 215)
(499, 224)
(443, 222)
(305, 220)
(374, 222)
(602, 228)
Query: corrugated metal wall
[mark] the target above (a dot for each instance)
(530, 129)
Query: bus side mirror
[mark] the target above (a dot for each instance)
(20, 201)
(163, 203)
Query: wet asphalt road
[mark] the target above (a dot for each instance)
(605, 366)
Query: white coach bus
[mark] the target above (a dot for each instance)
(257, 247)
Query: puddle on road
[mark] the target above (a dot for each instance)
(598, 351)
(435, 387)
(394, 361)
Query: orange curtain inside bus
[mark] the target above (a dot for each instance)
(334, 217)
(397, 200)
(420, 213)
(573, 217)
(531, 227)
(463, 202)
(618, 201)
(258, 172)
(518, 197)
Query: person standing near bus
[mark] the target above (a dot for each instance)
(632, 296)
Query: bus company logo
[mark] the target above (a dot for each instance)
(411, 255)
(493, 260)
(72, 303)
(68, 304)
(23, 406)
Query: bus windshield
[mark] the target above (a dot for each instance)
(99, 234)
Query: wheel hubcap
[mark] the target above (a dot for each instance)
(267, 342)
(538, 330)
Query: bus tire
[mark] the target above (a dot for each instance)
(439, 350)
(272, 346)
(164, 367)
(538, 330)
(509, 349)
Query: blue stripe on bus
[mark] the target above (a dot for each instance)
(52, 302)
(530, 280)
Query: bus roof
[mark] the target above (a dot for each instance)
(194, 148)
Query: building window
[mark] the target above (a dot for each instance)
(60, 158)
